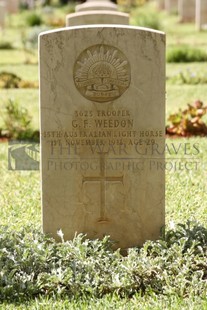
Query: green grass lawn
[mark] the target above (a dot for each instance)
(186, 195)
(137, 303)
(15, 57)
(174, 68)
(26, 72)
(178, 96)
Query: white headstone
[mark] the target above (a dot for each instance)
(31, 4)
(2, 14)
(201, 14)
(97, 17)
(102, 105)
(186, 10)
(161, 4)
(171, 6)
(97, 12)
(94, 5)
(12, 6)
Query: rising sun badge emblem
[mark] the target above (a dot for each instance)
(101, 73)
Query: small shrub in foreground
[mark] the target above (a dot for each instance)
(34, 265)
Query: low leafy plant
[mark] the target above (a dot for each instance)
(71, 7)
(136, 3)
(11, 80)
(63, 2)
(17, 123)
(33, 264)
(188, 122)
(189, 77)
(4, 45)
(47, 9)
(34, 19)
(23, 5)
(55, 21)
(185, 53)
(26, 45)
(31, 39)
(149, 20)
(27, 84)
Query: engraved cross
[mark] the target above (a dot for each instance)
(102, 179)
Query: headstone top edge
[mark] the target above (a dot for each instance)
(99, 26)
(99, 5)
(97, 12)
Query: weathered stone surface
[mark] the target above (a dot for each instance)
(201, 14)
(186, 10)
(97, 17)
(102, 99)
